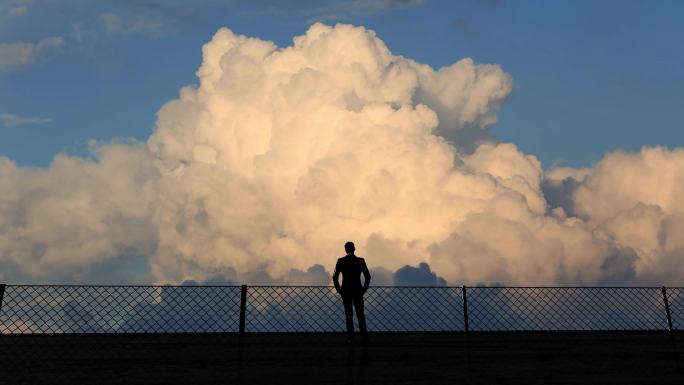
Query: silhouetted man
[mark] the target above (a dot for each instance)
(352, 292)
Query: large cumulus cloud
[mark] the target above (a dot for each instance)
(279, 155)
(282, 154)
(634, 200)
(79, 219)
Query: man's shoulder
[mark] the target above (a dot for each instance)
(348, 259)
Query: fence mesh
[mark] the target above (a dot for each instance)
(292, 309)
(28, 309)
(675, 296)
(566, 308)
(119, 309)
(319, 309)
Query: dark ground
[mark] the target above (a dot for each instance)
(481, 358)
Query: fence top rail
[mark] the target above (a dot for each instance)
(330, 286)
(122, 286)
(371, 287)
(574, 287)
(235, 286)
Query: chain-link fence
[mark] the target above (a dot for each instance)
(119, 309)
(675, 298)
(387, 309)
(566, 308)
(35, 309)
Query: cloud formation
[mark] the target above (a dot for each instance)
(22, 54)
(327, 10)
(10, 120)
(152, 26)
(632, 199)
(309, 145)
(279, 155)
(339, 10)
(14, 8)
(78, 220)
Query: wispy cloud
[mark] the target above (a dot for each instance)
(21, 54)
(341, 9)
(14, 8)
(464, 26)
(151, 26)
(11, 120)
(92, 20)
(18, 10)
(490, 2)
(335, 9)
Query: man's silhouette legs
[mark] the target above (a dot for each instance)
(361, 316)
(357, 301)
(349, 316)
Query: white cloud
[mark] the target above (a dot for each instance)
(634, 200)
(281, 154)
(331, 133)
(77, 220)
(21, 54)
(10, 120)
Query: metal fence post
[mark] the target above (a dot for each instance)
(2, 294)
(465, 309)
(243, 308)
(669, 326)
(667, 309)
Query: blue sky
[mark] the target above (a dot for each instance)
(589, 77)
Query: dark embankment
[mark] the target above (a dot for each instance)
(480, 358)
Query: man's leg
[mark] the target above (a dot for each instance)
(349, 316)
(358, 304)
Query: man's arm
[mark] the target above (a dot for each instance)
(336, 276)
(366, 277)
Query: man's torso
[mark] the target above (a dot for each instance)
(351, 267)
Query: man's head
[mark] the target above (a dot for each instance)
(349, 247)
